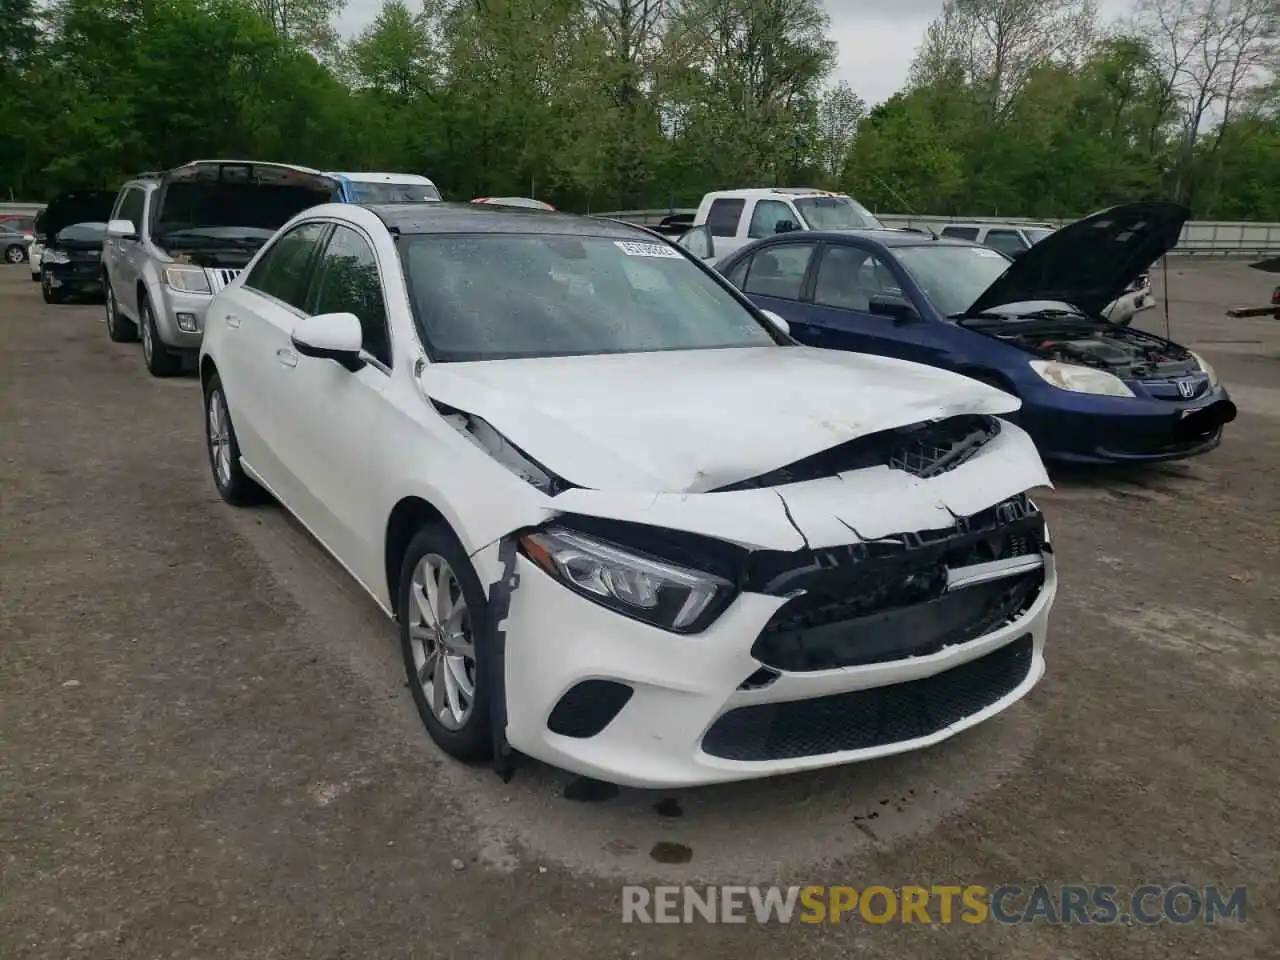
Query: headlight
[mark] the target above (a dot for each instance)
(54, 256)
(187, 279)
(1078, 379)
(1206, 367)
(674, 598)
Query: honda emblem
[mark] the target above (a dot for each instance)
(1186, 389)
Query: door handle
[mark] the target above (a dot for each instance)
(287, 357)
(233, 320)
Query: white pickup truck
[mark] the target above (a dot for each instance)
(736, 217)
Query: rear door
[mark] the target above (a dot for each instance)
(776, 277)
(256, 356)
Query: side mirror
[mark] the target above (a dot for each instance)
(786, 226)
(900, 310)
(122, 230)
(778, 322)
(331, 336)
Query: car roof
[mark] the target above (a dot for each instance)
(367, 176)
(758, 192)
(440, 217)
(885, 238)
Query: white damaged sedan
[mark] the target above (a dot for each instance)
(627, 526)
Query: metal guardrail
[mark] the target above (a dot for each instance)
(27, 208)
(1204, 237)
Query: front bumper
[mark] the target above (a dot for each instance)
(180, 318)
(76, 277)
(1085, 429)
(674, 730)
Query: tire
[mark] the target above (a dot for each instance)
(49, 294)
(160, 360)
(36, 277)
(15, 253)
(119, 329)
(470, 739)
(234, 485)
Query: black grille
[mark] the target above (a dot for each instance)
(588, 707)
(817, 632)
(922, 450)
(869, 718)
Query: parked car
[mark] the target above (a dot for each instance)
(14, 244)
(736, 217)
(627, 525)
(71, 232)
(515, 202)
(384, 188)
(35, 250)
(178, 237)
(1091, 391)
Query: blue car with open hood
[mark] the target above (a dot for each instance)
(1091, 391)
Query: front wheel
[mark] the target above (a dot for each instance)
(443, 622)
(234, 485)
(160, 360)
(50, 294)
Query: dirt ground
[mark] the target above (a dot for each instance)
(207, 748)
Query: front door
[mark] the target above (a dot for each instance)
(337, 416)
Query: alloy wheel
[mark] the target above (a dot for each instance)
(147, 345)
(443, 644)
(220, 438)
(14, 255)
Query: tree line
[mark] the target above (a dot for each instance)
(1013, 107)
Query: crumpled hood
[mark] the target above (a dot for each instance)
(697, 420)
(1090, 262)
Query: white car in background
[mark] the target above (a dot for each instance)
(627, 526)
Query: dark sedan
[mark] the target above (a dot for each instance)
(1092, 392)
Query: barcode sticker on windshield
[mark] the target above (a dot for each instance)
(634, 249)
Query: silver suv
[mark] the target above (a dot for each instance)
(178, 237)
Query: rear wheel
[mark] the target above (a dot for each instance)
(160, 360)
(119, 329)
(15, 253)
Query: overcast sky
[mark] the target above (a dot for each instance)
(877, 38)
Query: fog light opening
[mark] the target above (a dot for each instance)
(186, 322)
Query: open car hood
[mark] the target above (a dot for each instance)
(1089, 263)
(239, 193)
(75, 206)
(693, 421)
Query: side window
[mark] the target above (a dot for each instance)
(961, 233)
(848, 277)
(284, 270)
(739, 272)
(347, 281)
(1006, 241)
(723, 217)
(768, 214)
(779, 271)
(130, 207)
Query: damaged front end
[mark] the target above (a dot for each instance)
(750, 614)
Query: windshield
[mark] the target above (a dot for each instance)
(836, 213)
(495, 297)
(394, 192)
(952, 277)
(1036, 234)
(82, 233)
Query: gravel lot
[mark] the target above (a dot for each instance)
(207, 748)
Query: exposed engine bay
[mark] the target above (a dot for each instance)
(223, 257)
(1123, 351)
